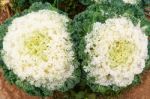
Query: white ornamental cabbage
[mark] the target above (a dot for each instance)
(118, 51)
(131, 1)
(37, 48)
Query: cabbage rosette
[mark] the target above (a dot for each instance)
(37, 51)
(113, 46)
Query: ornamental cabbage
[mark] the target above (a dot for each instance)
(37, 51)
(113, 46)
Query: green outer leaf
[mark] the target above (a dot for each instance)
(20, 5)
(26, 86)
(146, 2)
(86, 2)
(82, 24)
(110, 2)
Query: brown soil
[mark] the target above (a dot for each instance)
(3, 16)
(141, 91)
(8, 91)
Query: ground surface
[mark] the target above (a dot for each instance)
(8, 91)
(141, 91)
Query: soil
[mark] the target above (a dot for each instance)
(3, 16)
(141, 91)
(8, 91)
(147, 12)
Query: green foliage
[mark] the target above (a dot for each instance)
(82, 24)
(20, 5)
(26, 86)
(71, 7)
(146, 2)
(86, 2)
(80, 95)
(90, 2)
